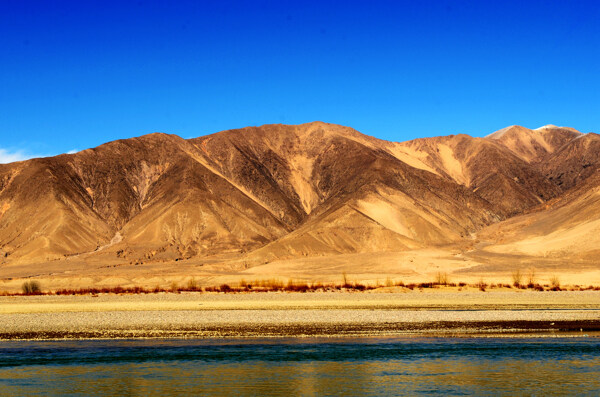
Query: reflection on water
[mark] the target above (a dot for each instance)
(302, 367)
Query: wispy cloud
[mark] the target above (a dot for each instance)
(9, 156)
(12, 155)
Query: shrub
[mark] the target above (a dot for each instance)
(517, 278)
(298, 286)
(317, 285)
(555, 283)
(192, 285)
(441, 278)
(481, 285)
(270, 284)
(345, 283)
(531, 278)
(31, 288)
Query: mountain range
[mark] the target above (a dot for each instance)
(305, 201)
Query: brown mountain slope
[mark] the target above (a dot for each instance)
(273, 192)
(348, 193)
(567, 227)
(489, 169)
(574, 162)
(534, 145)
(149, 189)
(45, 212)
(297, 161)
(160, 197)
(386, 205)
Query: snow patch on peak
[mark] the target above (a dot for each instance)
(547, 126)
(554, 127)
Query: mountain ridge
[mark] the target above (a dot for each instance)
(278, 192)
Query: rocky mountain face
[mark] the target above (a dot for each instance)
(284, 191)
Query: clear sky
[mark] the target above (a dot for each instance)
(75, 74)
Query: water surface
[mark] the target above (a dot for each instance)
(366, 366)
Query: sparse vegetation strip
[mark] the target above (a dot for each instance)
(276, 285)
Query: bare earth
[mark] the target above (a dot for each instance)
(434, 312)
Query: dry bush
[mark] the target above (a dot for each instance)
(317, 286)
(225, 288)
(531, 278)
(107, 290)
(274, 285)
(441, 278)
(271, 284)
(345, 283)
(298, 286)
(517, 278)
(31, 288)
(192, 285)
(481, 285)
(554, 283)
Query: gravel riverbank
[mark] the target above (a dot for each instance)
(297, 314)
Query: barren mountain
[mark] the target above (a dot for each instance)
(488, 168)
(567, 227)
(534, 145)
(261, 195)
(573, 162)
(150, 190)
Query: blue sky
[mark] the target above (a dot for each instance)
(76, 74)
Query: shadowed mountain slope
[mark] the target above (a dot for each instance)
(574, 162)
(567, 227)
(489, 169)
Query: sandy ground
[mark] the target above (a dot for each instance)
(298, 314)
(414, 266)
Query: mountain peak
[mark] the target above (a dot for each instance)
(511, 129)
